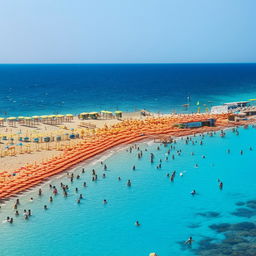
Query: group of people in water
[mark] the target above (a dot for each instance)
(171, 153)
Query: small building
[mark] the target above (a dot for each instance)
(229, 107)
(250, 112)
(198, 124)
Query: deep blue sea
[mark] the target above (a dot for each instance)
(51, 89)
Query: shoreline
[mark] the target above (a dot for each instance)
(35, 175)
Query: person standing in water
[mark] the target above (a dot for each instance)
(189, 241)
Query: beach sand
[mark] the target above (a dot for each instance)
(11, 163)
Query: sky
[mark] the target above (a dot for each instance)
(127, 31)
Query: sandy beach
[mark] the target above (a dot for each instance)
(31, 153)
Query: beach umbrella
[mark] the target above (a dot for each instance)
(118, 113)
(11, 120)
(69, 117)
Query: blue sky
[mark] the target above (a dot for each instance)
(127, 31)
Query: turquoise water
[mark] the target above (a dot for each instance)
(168, 213)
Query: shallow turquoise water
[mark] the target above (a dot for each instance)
(165, 210)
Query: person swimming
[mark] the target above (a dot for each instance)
(51, 199)
(133, 168)
(105, 201)
(105, 167)
(221, 185)
(78, 201)
(129, 183)
(103, 175)
(40, 192)
(17, 213)
(119, 178)
(81, 196)
(193, 192)
(137, 224)
(31, 199)
(83, 170)
(76, 189)
(45, 207)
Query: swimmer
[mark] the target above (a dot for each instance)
(17, 213)
(78, 177)
(11, 220)
(83, 170)
(81, 196)
(133, 168)
(137, 224)
(84, 184)
(45, 207)
(105, 201)
(51, 199)
(221, 185)
(76, 190)
(40, 192)
(78, 201)
(129, 183)
(173, 176)
(18, 201)
(29, 212)
(193, 192)
(55, 191)
(119, 178)
(105, 167)
(189, 241)
(31, 199)
(241, 152)
(103, 175)
(15, 206)
(228, 151)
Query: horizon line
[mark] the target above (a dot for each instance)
(124, 63)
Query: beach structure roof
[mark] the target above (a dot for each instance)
(60, 116)
(93, 113)
(11, 118)
(28, 118)
(118, 112)
(84, 113)
(35, 117)
(108, 112)
(1, 118)
(44, 116)
(21, 117)
(69, 115)
(236, 103)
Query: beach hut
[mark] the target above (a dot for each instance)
(84, 115)
(118, 114)
(11, 121)
(69, 117)
(1, 121)
(93, 115)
